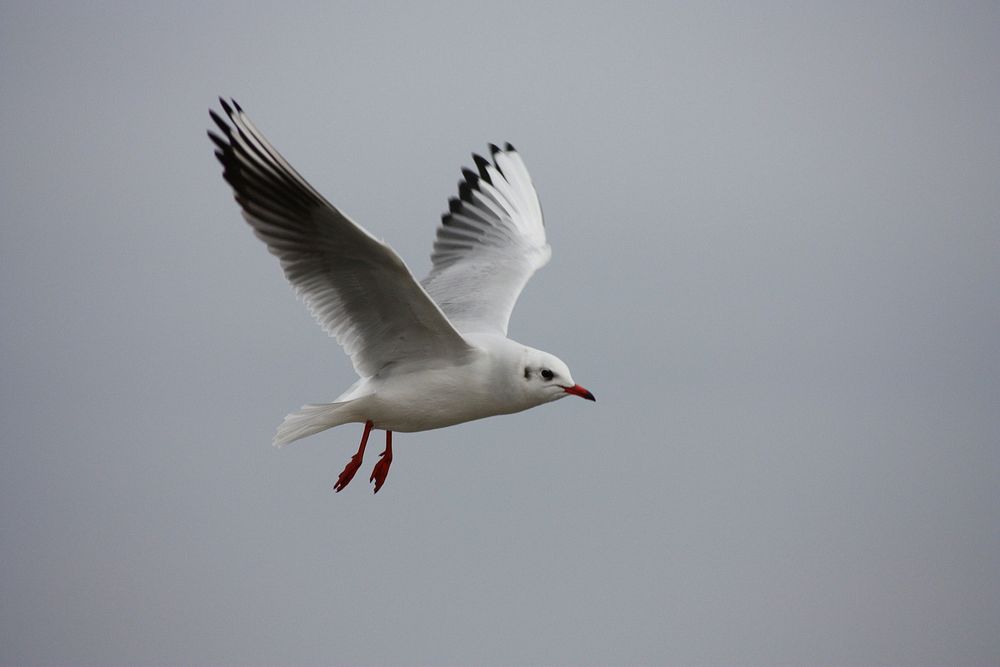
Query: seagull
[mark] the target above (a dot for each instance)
(428, 354)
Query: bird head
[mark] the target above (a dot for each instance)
(546, 378)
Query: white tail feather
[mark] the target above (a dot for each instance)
(312, 419)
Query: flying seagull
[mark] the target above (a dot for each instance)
(429, 354)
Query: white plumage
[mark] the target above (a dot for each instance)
(429, 354)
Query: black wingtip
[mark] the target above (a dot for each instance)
(237, 105)
(218, 141)
(481, 164)
(509, 147)
(464, 191)
(494, 149)
(223, 125)
(454, 205)
(225, 106)
(471, 177)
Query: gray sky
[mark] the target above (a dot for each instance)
(776, 231)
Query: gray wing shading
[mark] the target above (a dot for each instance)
(356, 286)
(489, 243)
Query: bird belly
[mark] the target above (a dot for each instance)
(429, 400)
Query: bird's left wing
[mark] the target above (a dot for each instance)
(488, 245)
(356, 287)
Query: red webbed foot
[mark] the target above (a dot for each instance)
(352, 466)
(381, 470)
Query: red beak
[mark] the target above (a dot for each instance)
(577, 390)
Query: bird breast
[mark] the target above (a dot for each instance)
(439, 397)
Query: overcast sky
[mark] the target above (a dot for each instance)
(775, 232)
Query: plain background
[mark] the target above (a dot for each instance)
(776, 238)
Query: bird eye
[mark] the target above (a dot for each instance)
(547, 374)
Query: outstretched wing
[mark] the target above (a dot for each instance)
(488, 245)
(356, 287)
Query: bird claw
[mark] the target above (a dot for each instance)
(348, 473)
(381, 470)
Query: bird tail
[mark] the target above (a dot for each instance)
(311, 419)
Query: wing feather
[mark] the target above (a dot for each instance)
(356, 287)
(489, 243)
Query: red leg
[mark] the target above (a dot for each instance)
(352, 466)
(382, 467)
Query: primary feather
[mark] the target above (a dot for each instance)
(489, 243)
(356, 287)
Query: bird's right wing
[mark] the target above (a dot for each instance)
(489, 243)
(356, 287)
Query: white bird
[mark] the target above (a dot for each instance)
(429, 354)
